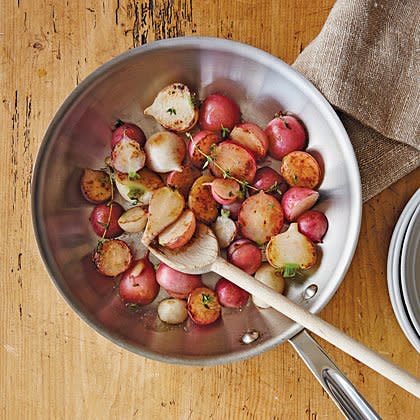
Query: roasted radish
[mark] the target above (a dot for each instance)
(177, 284)
(296, 201)
(225, 191)
(230, 295)
(180, 232)
(245, 255)
(133, 220)
(138, 284)
(184, 179)
(96, 186)
(260, 217)
(172, 311)
(174, 108)
(165, 152)
(270, 181)
(127, 156)
(104, 220)
(228, 157)
(285, 134)
(313, 224)
(225, 230)
(165, 207)
(201, 201)
(138, 188)
(290, 251)
(270, 277)
(200, 145)
(300, 169)
(112, 257)
(218, 113)
(127, 130)
(252, 138)
(203, 306)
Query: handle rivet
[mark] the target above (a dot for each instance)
(250, 336)
(310, 291)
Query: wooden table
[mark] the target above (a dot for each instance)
(52, 365)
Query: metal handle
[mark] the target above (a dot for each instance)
(338, 387)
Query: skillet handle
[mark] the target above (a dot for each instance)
(338, 387)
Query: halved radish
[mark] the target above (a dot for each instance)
(203, 306)
(184, 179)
(271, 277)
(201, 201)
(300, 169)
(174, 108)
(260, 217)
(252, 138)
(233, 159)
(127, 130)
(165, 207)
(179, 232)
(165, 152)
(297, 200)
(291, 250)
(203, 140)
(133, 220)
(96, 186)
(138, 189)
(127, 156)
(112, 257)
(225, 230)
(225, 191)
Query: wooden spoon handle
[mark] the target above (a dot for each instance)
(318, 326)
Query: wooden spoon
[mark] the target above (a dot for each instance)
(201, 256)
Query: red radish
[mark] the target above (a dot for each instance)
(230, 295)
(245, 255)
(127, 156)
(297, 200)
(300, 169)
(225, 191)
(260, 217)
(183, 180)
(219, 112)
(233, 159)
(128, 130)
(285, 134)
(270, 181)
(138, 284)
(313, 224)
(252, 138)
(112, 257)
(204, 141)
(104, 217)
(178, 285)
(203, 306)
(233, 209)
(180, 232)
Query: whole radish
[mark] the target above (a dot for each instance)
(230, 295)
(104, 218)
(129, 130)
(269, 180)
(285, 134)
(245, 254)
(313, 224)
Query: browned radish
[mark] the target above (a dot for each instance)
(133, 220)
(225, 230)
(225, 191)
(300, 169)
(127, 156)
(297, 200)
(96, 186)
(179, 232)
(260, 217)
(201, 201)
(112, 257)
(138, 188)
(165, 207)
(165, 152)
(233, 159)
(203, 306)
(203, 140)
(290, 251)
(174, 108)
(252, 137)
(184, 179)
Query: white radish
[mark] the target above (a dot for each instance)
(173, 311)
(225, 230)
(180, 232)
(133, 220)
(127, 156)
(269, 276)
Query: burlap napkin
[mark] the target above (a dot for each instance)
(366, 61)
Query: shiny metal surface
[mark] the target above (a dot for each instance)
(79, 137)
(339, 388)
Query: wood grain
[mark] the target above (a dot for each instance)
(52, 366)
